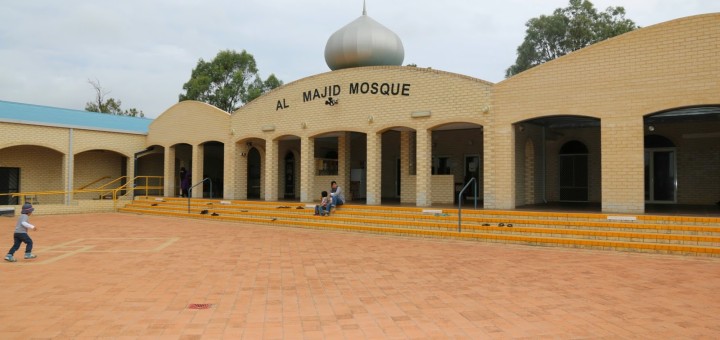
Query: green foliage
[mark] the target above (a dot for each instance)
(567, 29)
(110, 105)
(228, 81)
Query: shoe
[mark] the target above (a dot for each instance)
(10, 258)
(30, 256)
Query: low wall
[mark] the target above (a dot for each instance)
(75, 207)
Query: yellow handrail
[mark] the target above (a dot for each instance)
(146, 187)
(95, 181)
(111, 182)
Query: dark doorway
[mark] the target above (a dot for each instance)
(253, 173)
(9, 183)
(573, 172)
(660, 170)
(289, 175)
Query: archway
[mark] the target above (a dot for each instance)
(457, 157)
(289, 177)
(254, 173)
(573, 172)
(213, 168)
(557, 160)
(31, 168)
(98, 169)
(682, 158)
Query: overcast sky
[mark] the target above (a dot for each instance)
(144, 50)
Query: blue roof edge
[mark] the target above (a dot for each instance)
(33, 114)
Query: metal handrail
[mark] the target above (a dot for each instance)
(146, 187)
(196, 184)
(95, 181)
(472, 180)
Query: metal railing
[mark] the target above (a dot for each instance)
(130, 186)
(93, 182)
(472, 180)
(207, 179)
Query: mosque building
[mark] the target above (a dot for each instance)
(624, 124)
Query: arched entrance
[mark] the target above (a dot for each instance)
(682, 157)
(573, 172)
(289, 177)
(254, 172)
(557, 160)
(660, 170)
(213, 168)
(30, 168)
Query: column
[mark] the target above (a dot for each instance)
(499, 167)
(241, 169)
(198, 156)
(307, 169)
(229, 172)
(130, 175)
(423, 157)
(374, 168)
(405, 196)
(623, 164)
(170, 188)
(271, 170)
(344, 163)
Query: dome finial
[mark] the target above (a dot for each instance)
(364, 8)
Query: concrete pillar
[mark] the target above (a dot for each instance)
(374, 168)
(307, 169)
(623, 164)
(66, 179)
(271, 170)
(344, 163)
(198, 156)
(229, 172)
(405, 195)
(130, 175)
(170, 187)
(499, 167)
(241, 170)
(423, 169)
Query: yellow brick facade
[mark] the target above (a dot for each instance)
(377, 129)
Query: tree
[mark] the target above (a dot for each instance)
(567, 29)
(110, 105)
(228, 81)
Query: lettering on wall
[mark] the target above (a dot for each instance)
(356, 88)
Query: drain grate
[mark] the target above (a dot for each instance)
(200, 306)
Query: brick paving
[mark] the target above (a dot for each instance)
(123, 275)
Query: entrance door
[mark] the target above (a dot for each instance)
(9, 183)
(472, 169)
(398, 176)
(290, 175)
(573, 178)
(253, 175)
(660, 176)
(574, 172)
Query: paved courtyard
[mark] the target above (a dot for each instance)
(121, 275)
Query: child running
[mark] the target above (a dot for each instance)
(21, 234)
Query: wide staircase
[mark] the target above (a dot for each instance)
(686, 235)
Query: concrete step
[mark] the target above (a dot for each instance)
(440, 223)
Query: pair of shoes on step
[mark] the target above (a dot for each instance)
(28, 256)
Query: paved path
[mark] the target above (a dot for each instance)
(122, 275)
